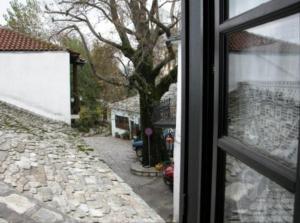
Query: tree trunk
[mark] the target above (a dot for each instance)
(158, 152)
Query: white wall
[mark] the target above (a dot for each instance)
(245, 67)
(38, 82)
(132, 116)
(237, 6)
(177, 147)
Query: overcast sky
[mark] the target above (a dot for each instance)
(4, 5)
(284, 29)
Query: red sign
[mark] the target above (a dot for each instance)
(148, 131)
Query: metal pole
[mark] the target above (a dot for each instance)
(149, 150)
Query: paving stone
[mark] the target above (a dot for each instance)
(40, 158)
(83, 207)
(17, 203)
(13, 169)
(20, 219)
(24, 163)
(33, 190)
(74, 204)
(20, 148)
(5, 146)
(79, 196)
(45, 193)
(95, 204)
(55, 188)
(96, 213)
(92, 188)
(3, 155)
(44, 215)
(49, 171)
(9, 178)
(91, 180)
(3, 169)
(3, 220)
(4, 188)
(20, 184)
(39, 174)
(80, 214)
(34, 184)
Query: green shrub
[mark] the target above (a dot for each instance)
(125, 135)
(89, 118)
(85, 149)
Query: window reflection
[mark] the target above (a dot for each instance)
(264, 88)
(237, 7)
(253, 198)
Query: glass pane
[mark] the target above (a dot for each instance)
(264, 88)
(253, 198)
(237, 7)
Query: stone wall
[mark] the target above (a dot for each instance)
(264, 116)
(253, 198)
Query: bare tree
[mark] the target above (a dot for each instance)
(141, 27)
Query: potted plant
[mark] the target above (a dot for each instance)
(126, 135)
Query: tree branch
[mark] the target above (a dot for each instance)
(86, 20)
(165, 82)
(126, 45)
(158, 67)
(89, 57)
(147, 28)
(102, 10)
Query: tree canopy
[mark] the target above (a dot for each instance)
(131, 39)
(141, 31)
(26, 18)
(139, 27)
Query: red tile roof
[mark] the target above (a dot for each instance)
(11, 40)
(246, 41)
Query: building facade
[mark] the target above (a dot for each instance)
(36, 75)
(125, 117)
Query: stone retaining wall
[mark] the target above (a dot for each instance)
(264, 116)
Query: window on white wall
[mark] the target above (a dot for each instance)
(122, 122)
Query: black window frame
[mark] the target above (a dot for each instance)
(202, 161)
(222, 144)
(197, 108)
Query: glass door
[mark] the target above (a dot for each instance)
(257, 112)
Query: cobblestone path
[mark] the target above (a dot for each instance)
(119, 155)
(49, 162)
(15, 207)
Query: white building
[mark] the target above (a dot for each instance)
(276, 58)
(125, 116)
(35, 75)
(177, 143)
